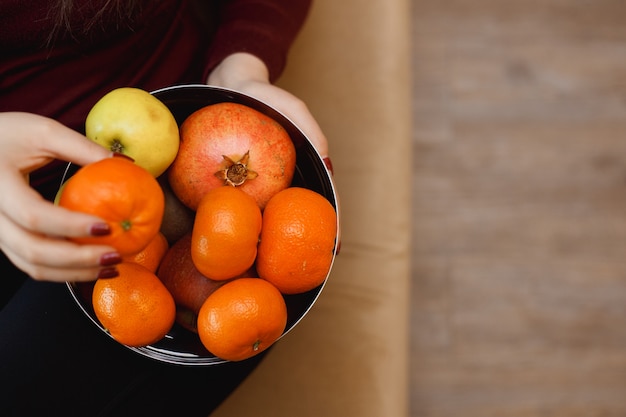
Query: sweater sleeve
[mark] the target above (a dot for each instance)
(264, 28)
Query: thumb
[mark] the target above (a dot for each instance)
(74, 147)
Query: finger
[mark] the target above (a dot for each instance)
(46, 258)
(68, 145)
(60, 253)
(295, 110)
(75, 147)
(61, 274)
(32, 212)
(329, 165)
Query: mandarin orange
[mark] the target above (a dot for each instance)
(123, 194)
(152, 254)
(297, 241)
(242, 318)
(135, 307)
(225, 233)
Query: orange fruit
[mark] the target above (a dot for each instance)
(225, 233)
(123, 194)
(134, 307)
(298, 236)
(152, 254)
(242, 318)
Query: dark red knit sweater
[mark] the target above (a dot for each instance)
(163, 44)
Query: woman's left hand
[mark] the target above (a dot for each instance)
(248, 74)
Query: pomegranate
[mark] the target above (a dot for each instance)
(179, 275)
(231, 144)
(186, 284)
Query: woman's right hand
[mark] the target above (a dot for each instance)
(33, 231)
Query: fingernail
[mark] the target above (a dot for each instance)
(100, 229)
(329, 165)
(108, 272)
(111, 258)
(121, 155)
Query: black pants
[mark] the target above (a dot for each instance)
(54, 361)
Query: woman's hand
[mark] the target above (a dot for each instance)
(33, 230)
(247, 73)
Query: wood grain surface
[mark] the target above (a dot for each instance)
(519, 224)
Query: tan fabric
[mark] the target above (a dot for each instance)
(349, 356)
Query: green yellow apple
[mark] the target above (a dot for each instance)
(133, 122)
(57, 196)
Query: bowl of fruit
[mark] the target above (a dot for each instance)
(235, 229)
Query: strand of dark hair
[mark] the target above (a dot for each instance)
(61, 16)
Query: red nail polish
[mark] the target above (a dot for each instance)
(111, 258)
(100, 229)
(329, 165)
(108, 272)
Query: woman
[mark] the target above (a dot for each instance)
(58, 58)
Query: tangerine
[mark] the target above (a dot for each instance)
(225, 233)
(123, 194)
(297, 240)
(135, 307)
(242, 318)
(152, 254)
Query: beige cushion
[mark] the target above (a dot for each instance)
(349, 356)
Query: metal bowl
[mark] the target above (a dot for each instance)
(181, 346)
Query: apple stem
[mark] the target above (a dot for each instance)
(117, 146)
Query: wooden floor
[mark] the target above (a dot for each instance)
(519, 254)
